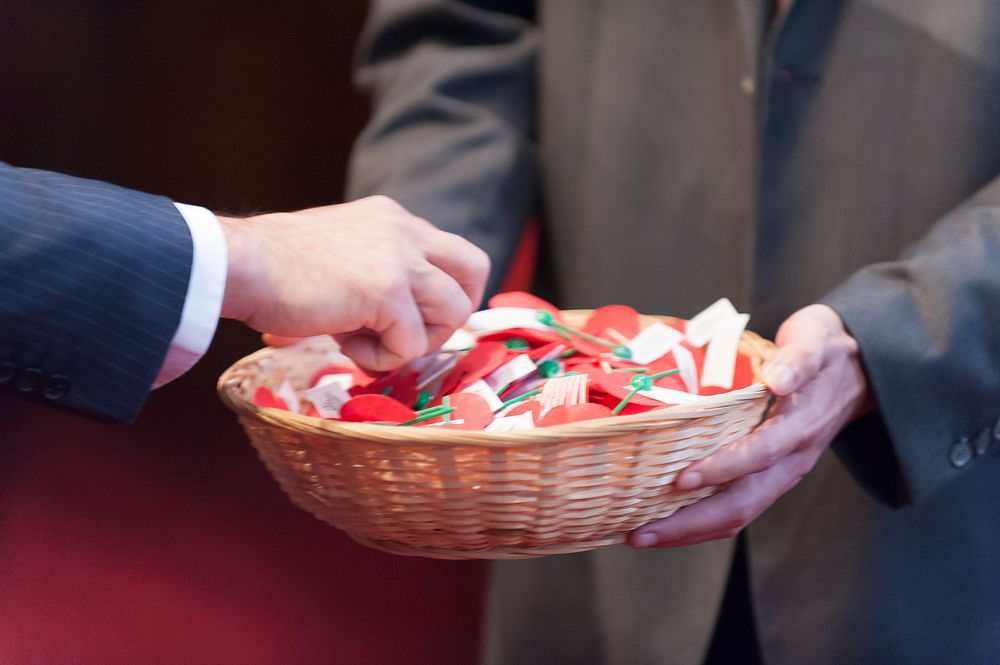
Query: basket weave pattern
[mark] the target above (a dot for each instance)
(458, 494)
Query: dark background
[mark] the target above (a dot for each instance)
(167, 541)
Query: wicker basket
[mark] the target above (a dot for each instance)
(453, 494)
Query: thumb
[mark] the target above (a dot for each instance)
(801, 346)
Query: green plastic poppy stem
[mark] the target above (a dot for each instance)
(434, 413)
(621, 404)
(546, 318)
(520, 398)
(439, 409)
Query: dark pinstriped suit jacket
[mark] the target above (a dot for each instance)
(93, 278)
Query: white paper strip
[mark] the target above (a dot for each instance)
(666, 395)
(653, 342)
(502, 318)
(685, 363)
(513, 370)
(459, 340)
(287, 393)
(345, 381)
(553, 354)
(708, 323)
(720, 358)
(458, 421)
(435, 370)
(482, 389)
(511, 423)
(328, 398)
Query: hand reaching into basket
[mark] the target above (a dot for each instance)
(817, 376)
(387, 285)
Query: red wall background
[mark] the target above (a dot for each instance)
(167, 541)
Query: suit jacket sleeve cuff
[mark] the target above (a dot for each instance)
(203, 301)
(924, 330)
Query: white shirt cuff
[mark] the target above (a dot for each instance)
(203, 303)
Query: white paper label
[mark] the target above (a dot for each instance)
(459, 341)
(345, 381)
(511, 423)
(720, 357)
(653, 342)
(458, 421)
(328, 398)
(710, 322)
(287, 393)
(482, 389)
(685, 363)
(502, 318)
(513, 370)
(553, 354)
(666, 395)
(436, 369)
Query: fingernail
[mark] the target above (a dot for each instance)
(780, 378)
(689, 480)
(645, 540)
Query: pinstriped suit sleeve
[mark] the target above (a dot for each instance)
(93, 279)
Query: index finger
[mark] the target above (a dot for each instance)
(464, 262)
(784, 432)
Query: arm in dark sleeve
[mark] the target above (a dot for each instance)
(93, 279)
(451, 134)
(928, 327)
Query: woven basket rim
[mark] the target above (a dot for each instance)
(229, 382)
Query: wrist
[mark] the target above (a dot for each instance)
(237, 299)
(864, 402)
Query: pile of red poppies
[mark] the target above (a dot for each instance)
(519, 365)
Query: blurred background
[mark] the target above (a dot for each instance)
(167, 541)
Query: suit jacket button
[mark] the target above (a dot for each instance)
(8, 368)
(960, 453)
(55, 387)
(983, 441)
(28, 380)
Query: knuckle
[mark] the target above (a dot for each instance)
(480, 261)
(744, 513)
(458, 315)
(844, 346)
(425, 225)
(770, 452)
(813, 360)
(801, 468)
(813, 425)
(384, 202)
